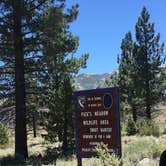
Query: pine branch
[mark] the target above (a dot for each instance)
(37, 6)
(6, 67)
(31, 2)
(30, 24)
(33, 57)
(9, 95)
(7, 45)
(36, 70)
(32, 93)
(5, 19)
(26, 33)
(32, 41)
(10, 73)
(5, 88)
(32, 70)
(31, 50)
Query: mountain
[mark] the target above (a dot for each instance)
(91, 80)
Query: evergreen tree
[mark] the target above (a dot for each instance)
(124, 61)
(141, 75)
(24, 33)
(131, 128)
(59, 120)
(57, 77)
(149, 58)
(163, 87)
(128, 75)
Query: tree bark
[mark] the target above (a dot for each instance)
(147, 100)
(34, 125)
(134, 112)
(65, 144)
(148, 111)
(20, 108)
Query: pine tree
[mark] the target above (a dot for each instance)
(22, 58)
(149, 57)
(127, 75)
(163, 86)
(131, 128)
(141, 75)
(124, 61)
(60, 67)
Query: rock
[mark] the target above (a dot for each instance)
(144, 161)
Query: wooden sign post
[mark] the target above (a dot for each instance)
(97, 121)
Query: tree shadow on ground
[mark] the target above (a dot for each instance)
(50, 157)
(32, 160)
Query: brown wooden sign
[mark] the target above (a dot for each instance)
(97, 121)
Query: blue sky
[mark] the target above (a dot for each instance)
(101, 25)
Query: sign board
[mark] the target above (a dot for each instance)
(97, 121)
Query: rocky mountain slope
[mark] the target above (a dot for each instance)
(91, 81)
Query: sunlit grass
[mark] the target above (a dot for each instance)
(133, 148)
(73, 162)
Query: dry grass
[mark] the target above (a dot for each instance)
(161, 114)
(37, 145)
(85, 162)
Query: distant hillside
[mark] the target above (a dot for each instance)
(91, 80)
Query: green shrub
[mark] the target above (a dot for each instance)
(143, 148)
(107, 158)
(131, 128)
(164, 132)
(3, 135)
(148, 128)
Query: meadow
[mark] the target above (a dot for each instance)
(136, 151)
(141, 149)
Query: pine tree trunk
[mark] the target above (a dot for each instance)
(134, 112)
(148, 112)
(20, 108)
(147, 100)
(34, 125)
(65, 144)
